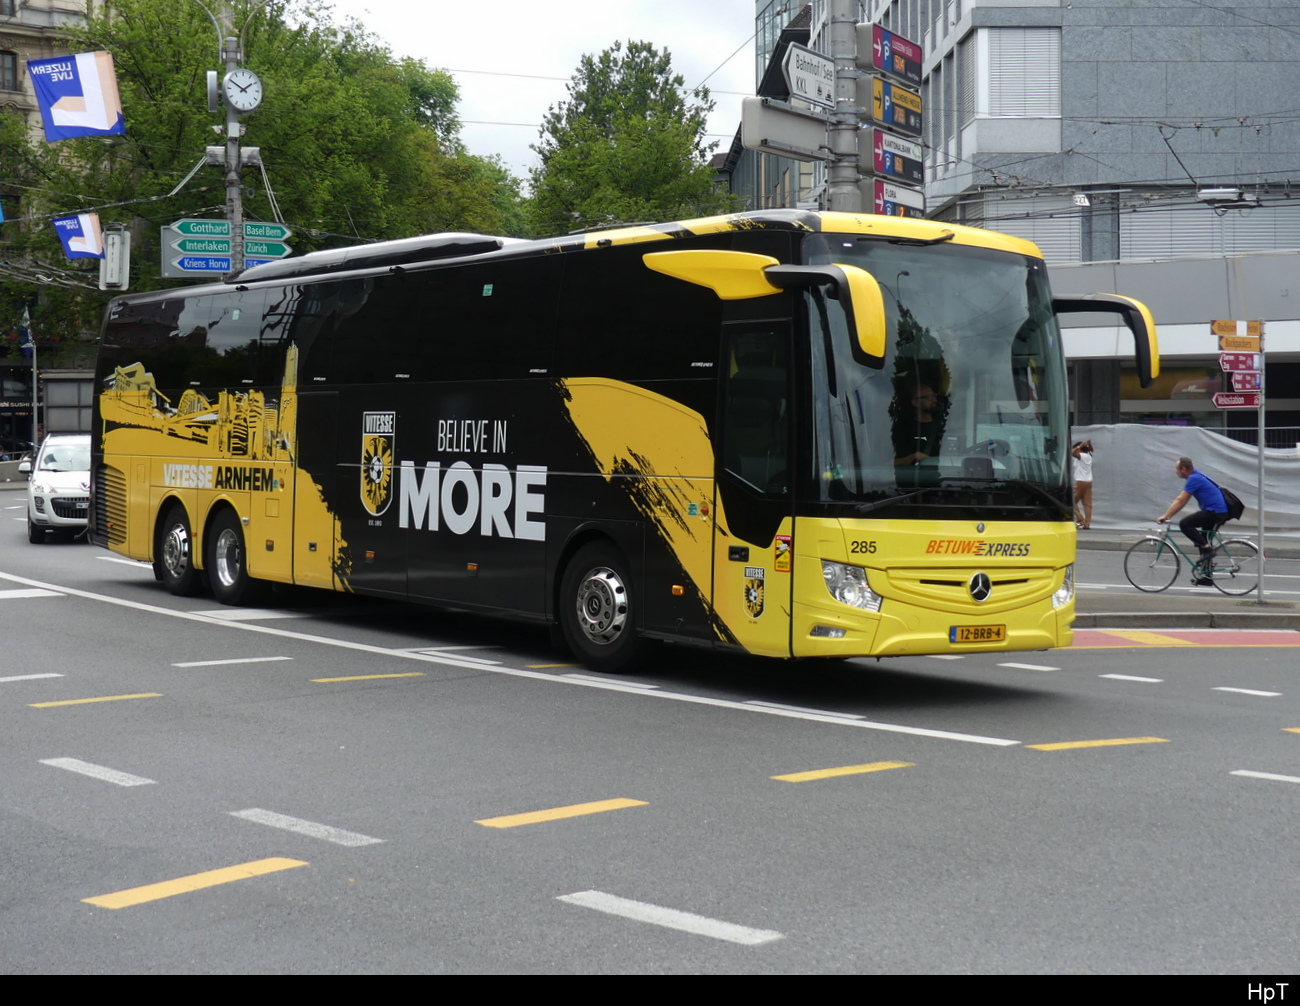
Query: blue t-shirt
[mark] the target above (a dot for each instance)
(1206, 493)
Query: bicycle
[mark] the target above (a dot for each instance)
(1151, 564)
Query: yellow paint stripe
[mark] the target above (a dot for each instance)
(369, 677)
(194, 882)
(831, 773)
(545, 667)
(1148, 638)
(1109, 742)
(558, 813)
(1292, 730)
(104, 698)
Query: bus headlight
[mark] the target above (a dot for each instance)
(848, 585)
(1065, 593)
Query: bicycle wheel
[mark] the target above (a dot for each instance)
(1151, 565)
(1236, 566)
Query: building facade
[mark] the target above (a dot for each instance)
(29, 29)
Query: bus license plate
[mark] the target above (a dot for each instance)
(977, 634)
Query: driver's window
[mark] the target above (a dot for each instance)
(756, 407)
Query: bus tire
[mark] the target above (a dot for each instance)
(227, 563)
(596, 612)
(174, 555)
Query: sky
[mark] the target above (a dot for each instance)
(540, 42)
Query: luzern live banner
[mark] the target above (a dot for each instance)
(77, 96)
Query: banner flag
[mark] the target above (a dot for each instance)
(80, 235)
(78, 96)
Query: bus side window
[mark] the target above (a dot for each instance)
(756, 407)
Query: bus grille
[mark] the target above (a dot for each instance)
(110, 505)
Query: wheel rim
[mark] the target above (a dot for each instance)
(602, 606)
(227, 559)
(176, 550)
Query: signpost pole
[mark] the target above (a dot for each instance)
(842, 194)
(1259, 596)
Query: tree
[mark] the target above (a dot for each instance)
(628, 146)
(358, 144)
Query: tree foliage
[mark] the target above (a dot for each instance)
(358, 144)
(627, 146)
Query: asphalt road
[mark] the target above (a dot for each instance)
(337, 785)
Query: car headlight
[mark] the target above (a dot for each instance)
(1065, 593)
(848, 585)
(40, 487)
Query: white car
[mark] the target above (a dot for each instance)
(58, 489)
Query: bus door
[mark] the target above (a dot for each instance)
(752, 563)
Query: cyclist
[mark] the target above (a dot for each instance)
(1213, 512)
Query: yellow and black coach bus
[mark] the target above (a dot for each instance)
(786, 433)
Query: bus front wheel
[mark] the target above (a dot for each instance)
(596, 609)
(227, 563)
(174, 555)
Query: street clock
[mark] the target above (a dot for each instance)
(242, 89)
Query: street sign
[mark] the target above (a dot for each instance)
(1254, 328)
(893, 200)
(896, 107)
(191, 227)
(1230, 400)
(775, 128)
(890, 156)
(1239, 343)
(1246, 380)
(809, 75)
(203, 246)
(879, 49)
(202, 228)
(267, 249)
(260, 230)
(1240, 361)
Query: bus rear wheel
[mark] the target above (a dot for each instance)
(227, 563)
(596, 611)
(174, 555)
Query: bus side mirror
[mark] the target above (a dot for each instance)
(857, 291)
(735, 275)
(1134, 314)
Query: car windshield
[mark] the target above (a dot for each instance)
(971, 394)
(68, 457)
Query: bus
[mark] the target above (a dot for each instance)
(784, 433)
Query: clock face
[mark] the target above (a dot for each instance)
(242, 89)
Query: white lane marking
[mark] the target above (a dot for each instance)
(311, 829)
(232, 660)
(126, 562)
(620, 684)
(803, 709)
(946, 656)
(436, 650)
(1265, 775)
(671, 918)
(516, 672)
(1029, 667)
(1247, 691)
(248, 614)
(11, 595)
(448, 649)
(98, 772)
(28, 677)
(1131, 677)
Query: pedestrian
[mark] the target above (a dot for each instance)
(1213, 512)
(1082, 454)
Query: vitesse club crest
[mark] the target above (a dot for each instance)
(754, 576)
(377, 446)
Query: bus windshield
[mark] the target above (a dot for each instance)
(971, 396)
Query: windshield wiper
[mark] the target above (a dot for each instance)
(1001, 483)
(945, 236)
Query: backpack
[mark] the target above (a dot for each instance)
(1235, 507)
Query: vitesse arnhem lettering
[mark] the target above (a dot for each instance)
(220, 477)
(493, 498)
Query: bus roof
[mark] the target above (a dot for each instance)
(448, 247)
